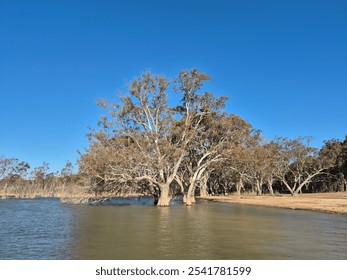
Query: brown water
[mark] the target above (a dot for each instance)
(47, 229)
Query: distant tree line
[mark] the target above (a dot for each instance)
(147, 144)
(16, 179)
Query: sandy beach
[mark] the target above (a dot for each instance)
(323, 202)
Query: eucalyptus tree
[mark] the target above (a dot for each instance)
(298, 163)
(258, 167)
(239, 153)
(206, 143)
(342, 160)
(237, 167)
(333, 179)
(263, 166)
(104, 167)
(220, 149)
(233, 139)
(340, 148)
(134, 142)
(12, 170)
(222, 180)
(66, 175)
(6, 167)
(40, 174)
(270, 149)
(143, 141)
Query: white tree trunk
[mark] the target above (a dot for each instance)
(269, 185)
(239, 186)
(190, 200)
(259, 187)
(164, 196)
(203, 190)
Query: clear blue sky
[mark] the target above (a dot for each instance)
(282, 63)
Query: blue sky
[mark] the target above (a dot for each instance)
(283, 64)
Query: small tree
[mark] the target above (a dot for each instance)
(12, 171)
(39, 174)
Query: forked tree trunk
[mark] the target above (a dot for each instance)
(287, 186)
(181, 184)
(259, 187)
(269, 185)
(190, 199)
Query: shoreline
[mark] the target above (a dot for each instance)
(334, 203)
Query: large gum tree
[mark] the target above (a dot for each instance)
(143, 140)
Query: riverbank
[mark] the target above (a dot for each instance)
(70, 196)
(323, 202)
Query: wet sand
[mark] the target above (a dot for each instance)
(323, 202)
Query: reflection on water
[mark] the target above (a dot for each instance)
(44, 229)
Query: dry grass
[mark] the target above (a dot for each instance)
(72, 194)
(323, 202)
(28, 192)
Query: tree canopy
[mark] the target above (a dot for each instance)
(168, 137)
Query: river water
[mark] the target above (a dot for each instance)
(48, 229)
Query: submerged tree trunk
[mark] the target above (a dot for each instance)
(184, 198)
(190, 199)
(164, 195)
(182, 187)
